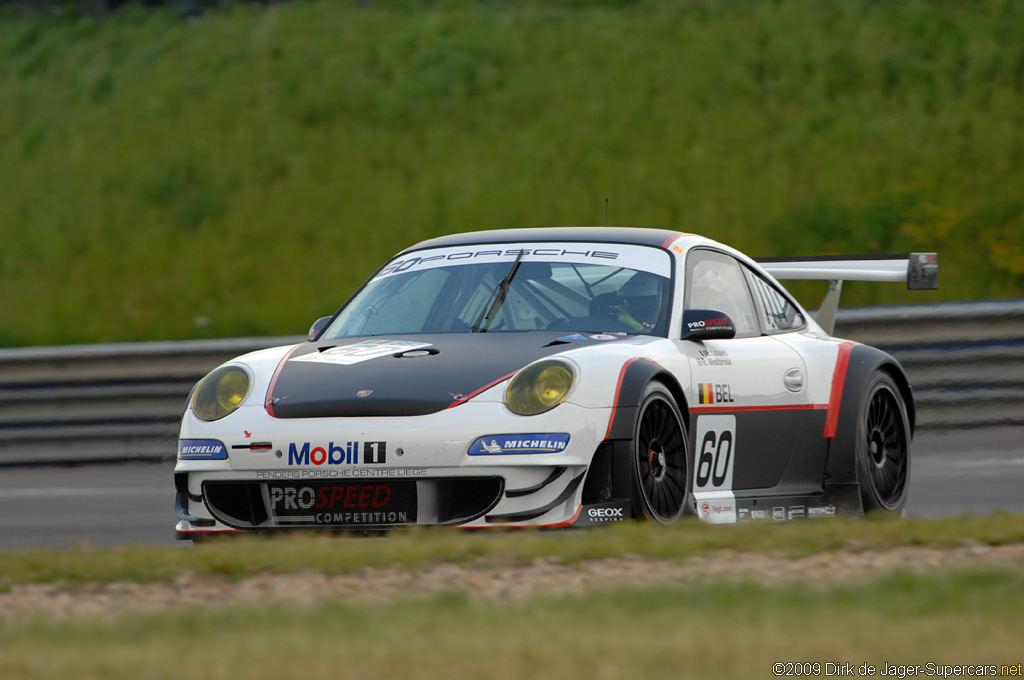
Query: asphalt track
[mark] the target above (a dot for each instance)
(953, 473)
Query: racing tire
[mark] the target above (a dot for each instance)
(883, 447)
(660, 457)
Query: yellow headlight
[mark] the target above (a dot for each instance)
(539, 387)
(220, 392)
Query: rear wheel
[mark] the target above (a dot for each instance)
(883, 447)
(659, 457)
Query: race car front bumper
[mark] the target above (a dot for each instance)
(373, 474)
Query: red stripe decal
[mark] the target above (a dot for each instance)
(273, 380)
(488, 386)
(615, 398)
(522, 527)
(565, 523)
(838, 380)
(747, 409)
(674, 237)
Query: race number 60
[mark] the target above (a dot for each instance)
(716, 448)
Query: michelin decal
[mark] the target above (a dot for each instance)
(514, 444)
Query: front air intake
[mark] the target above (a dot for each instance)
(377, 503)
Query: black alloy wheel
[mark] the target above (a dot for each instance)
(883, 447)
(659, 457)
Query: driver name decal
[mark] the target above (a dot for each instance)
(713, 357)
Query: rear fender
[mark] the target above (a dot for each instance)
(840, 467)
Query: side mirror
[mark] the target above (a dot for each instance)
(318, 327)
(707, 324)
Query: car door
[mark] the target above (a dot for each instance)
(748, 403)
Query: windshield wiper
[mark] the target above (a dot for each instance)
(499, 295)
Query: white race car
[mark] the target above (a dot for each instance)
(554, 378)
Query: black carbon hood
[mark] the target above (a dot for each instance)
(402, 375)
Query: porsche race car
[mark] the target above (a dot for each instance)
(553, 378)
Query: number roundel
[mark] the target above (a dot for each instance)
(715, 460)
(716, 437)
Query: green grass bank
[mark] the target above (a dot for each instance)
(701, 628)
(243, 173)
(240, 557)
(716, 630)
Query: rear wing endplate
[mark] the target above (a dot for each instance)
(920, 271)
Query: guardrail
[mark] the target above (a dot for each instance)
(112, 402)
(104, 8)
(104, 402)
(965, 360)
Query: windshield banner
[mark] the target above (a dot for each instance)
(639, 258)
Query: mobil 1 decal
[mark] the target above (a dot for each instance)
(713, 462)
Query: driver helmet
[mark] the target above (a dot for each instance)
(641, 295)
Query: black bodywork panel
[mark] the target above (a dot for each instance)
(786, 464)
(450, 367)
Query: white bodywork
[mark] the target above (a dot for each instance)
(793, 370)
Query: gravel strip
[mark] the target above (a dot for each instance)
(542, 576)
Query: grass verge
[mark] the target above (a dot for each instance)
(237, 558)
(901, 623)
(706, 631)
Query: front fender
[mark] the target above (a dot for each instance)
(634, 376)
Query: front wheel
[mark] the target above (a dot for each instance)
(659, 457)
(883, 447)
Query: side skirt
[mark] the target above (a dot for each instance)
(838, 500)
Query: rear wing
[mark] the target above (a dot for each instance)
(920, 271)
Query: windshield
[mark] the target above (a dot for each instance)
(572, 287)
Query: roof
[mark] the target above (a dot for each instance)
(635, 235)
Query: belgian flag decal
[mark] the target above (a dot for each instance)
(711, 393)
